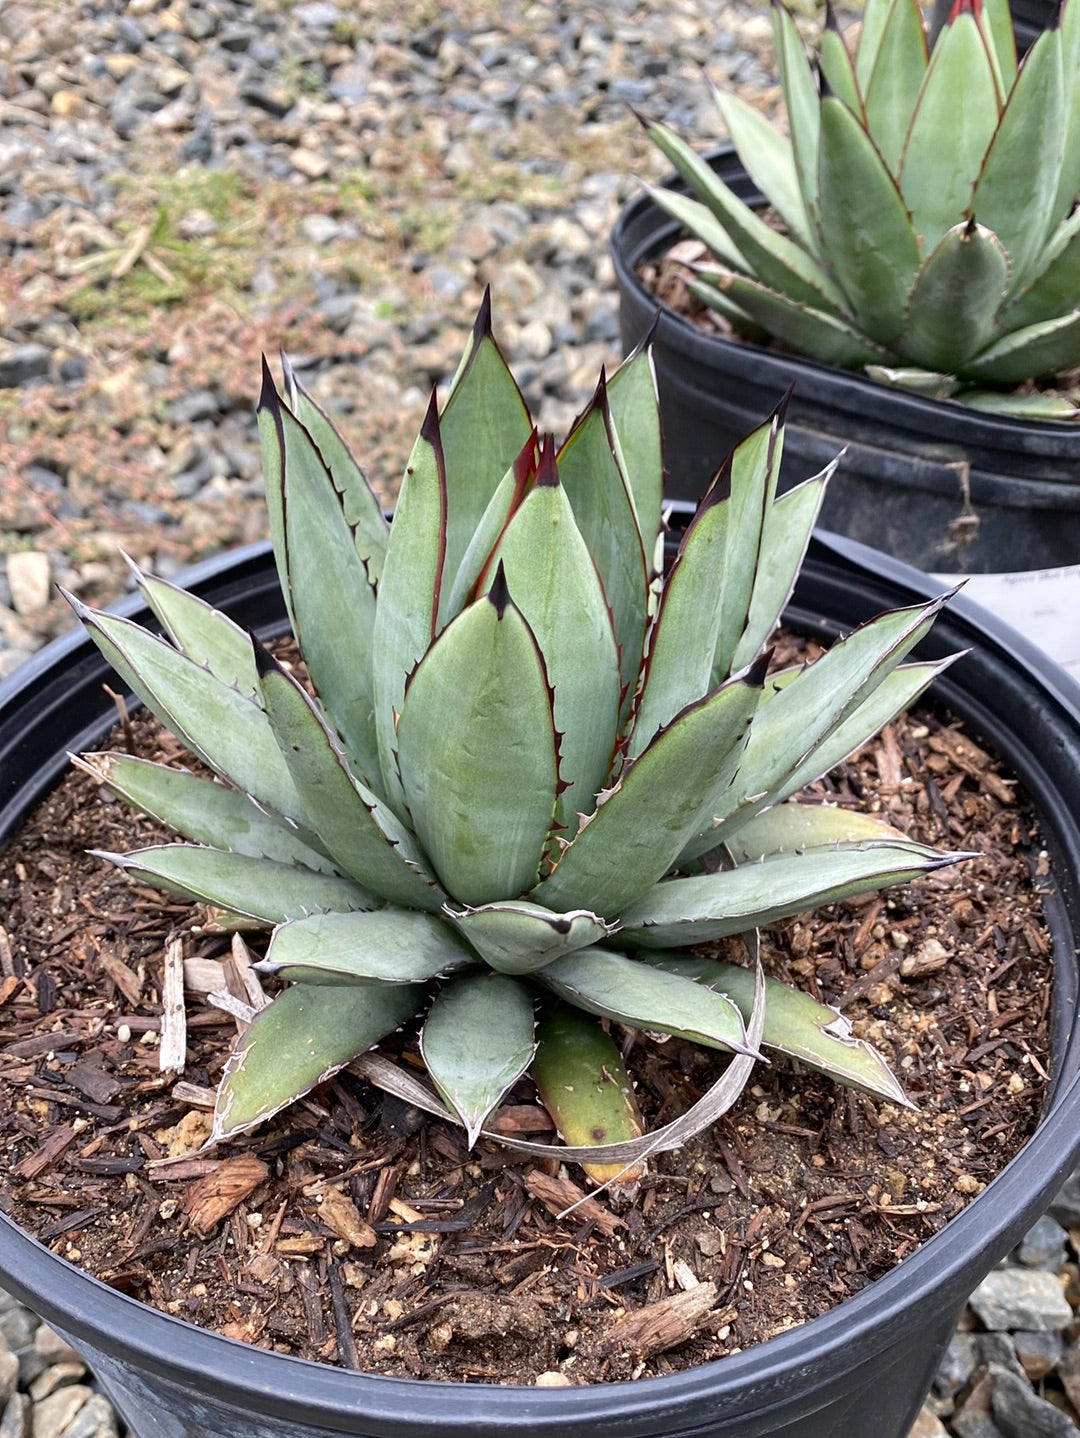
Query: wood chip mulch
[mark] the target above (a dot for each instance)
(356, 1230)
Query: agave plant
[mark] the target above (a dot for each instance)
(528, 771)
(927, 199)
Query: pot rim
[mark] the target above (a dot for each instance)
(172, 1348)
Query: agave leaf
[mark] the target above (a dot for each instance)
(806, 826)
(332, 622)
(707, 592)
(895, 693)
(788, 734)
(1016, 189)
(679, 913)
(706, 289)
(202, 632)
(478, 751)
(476, 1042)
(1054, 285)
(818, 1035)
(620, 988)
(779, 263)
(996, 23)
(477, 565)
(656, 805)
(1069, 179)
(383, 946)
(875, 20)
(599, 494)
(749, 476)
(696, 218)
(1041, 349)
(957, 106)
(1021, 406)
(361, 506)
(221, 726)
(803, 106)
(361, 833)
(916, 379)
(865, 226)
(299, 1041)
(953, 304)
(769, 161)
(584, 1085)
(202, 809)
(484, 425)
(829, 338)
(786, 531)
(255, 888)
(272, 449)
(635, 421)
(891, 73)
(691, 602)
(555, 585)
(409, 591)
(837, 69)
(517, 937)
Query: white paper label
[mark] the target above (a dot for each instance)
(1043, 604)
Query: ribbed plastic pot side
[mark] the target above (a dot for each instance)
(861, 1370)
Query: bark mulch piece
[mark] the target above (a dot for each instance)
(355, 1230)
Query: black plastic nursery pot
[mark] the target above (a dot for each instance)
(1029, 18)
(937, 484)
(860, 1371)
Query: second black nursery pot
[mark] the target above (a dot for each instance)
(860, 1371)
(939, 485)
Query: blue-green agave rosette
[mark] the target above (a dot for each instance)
(529, 772)
(926, 199)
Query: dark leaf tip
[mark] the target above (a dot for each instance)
(482, 324)
(547, 473)
(525, 462)
(719, 486)
(429, 430)
(265, 663)
(757, 672)
(499, 593)
(269, 399)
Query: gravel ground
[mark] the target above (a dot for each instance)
(186, 184)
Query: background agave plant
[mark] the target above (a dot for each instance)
(530, 771)
(927, 198)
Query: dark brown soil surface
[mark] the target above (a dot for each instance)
(356, 1230)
